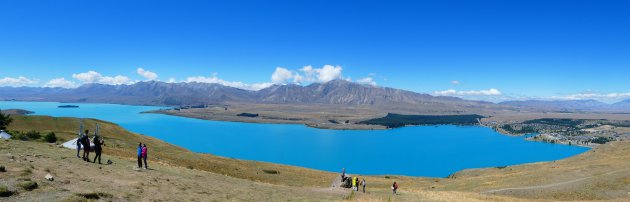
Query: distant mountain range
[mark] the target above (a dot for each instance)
(336, 92)
(570, 105)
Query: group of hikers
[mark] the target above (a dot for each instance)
(356, 183)
(84, 142)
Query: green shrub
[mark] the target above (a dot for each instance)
(4, 191)
(50, 137)
(33, 135)
(28, 185)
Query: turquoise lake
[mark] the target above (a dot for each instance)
(434, 151)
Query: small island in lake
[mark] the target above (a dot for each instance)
(68, 106)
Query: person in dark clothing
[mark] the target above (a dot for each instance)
(394, 187)
(86, 146)
(98, 142)
(79, 145)
(144, 156)
(343, 174)
(363, 184)
(139, 155)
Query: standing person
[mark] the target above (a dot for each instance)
(139, 154)
(395, 187)
(144, 156)
(363, 184)
(354, 183)
(343, 173)
(86, 146)
(98, 141)
(79, 145)
(356, 188)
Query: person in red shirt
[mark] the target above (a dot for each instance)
(144, 156)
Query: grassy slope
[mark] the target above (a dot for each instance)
(122, 143)
(596, 165)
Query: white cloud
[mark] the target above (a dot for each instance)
(19, 81)
(282, 75)
(593, 95)
(95, 77)
(235, 84)
(60, 83)
(328, 73)
(456, 82)
(171, 80)
(367, 80)
(325, 74)
(452, 92)
(147, 74)
(258, 86)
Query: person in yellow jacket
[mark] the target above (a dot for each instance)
(354, 183)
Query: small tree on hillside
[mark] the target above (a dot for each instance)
(5, 120)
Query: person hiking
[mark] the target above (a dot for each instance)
(86, 146)
(394, 187)
(356, 188)
(354, 183)
(139, 154)
(144, 156)
(363, 184)
(98, 142)
(79, 145)
(343, 173)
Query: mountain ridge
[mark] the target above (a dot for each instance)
(335, 92)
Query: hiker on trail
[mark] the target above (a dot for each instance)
(98, 141)
(79, 145)
(395, 187)
(363, 184)
(354, 183)
(343, 173)
(144, 156)
(86, 146)
(139, 154)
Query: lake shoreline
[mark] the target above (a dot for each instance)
(337, 126)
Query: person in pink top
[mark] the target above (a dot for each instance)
(144, 156)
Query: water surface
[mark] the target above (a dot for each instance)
(435, 151)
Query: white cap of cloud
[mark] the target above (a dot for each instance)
(147, 74)
(281, 75)
(328, 73)
(19, 81)
(95, 77)
(60, 83)
(592, 95)
(367, 80)
(235, 84)
(452, 92)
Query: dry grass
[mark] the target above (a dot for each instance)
(232, 179)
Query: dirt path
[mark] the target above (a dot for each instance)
(550, 185)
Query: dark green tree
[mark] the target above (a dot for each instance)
(5, 120)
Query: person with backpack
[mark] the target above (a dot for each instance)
(363, 184)
(98, 142)
(86, 146)
(139, 154)
(144, 156)
(395, 187)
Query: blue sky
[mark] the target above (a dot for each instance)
(489, 50)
